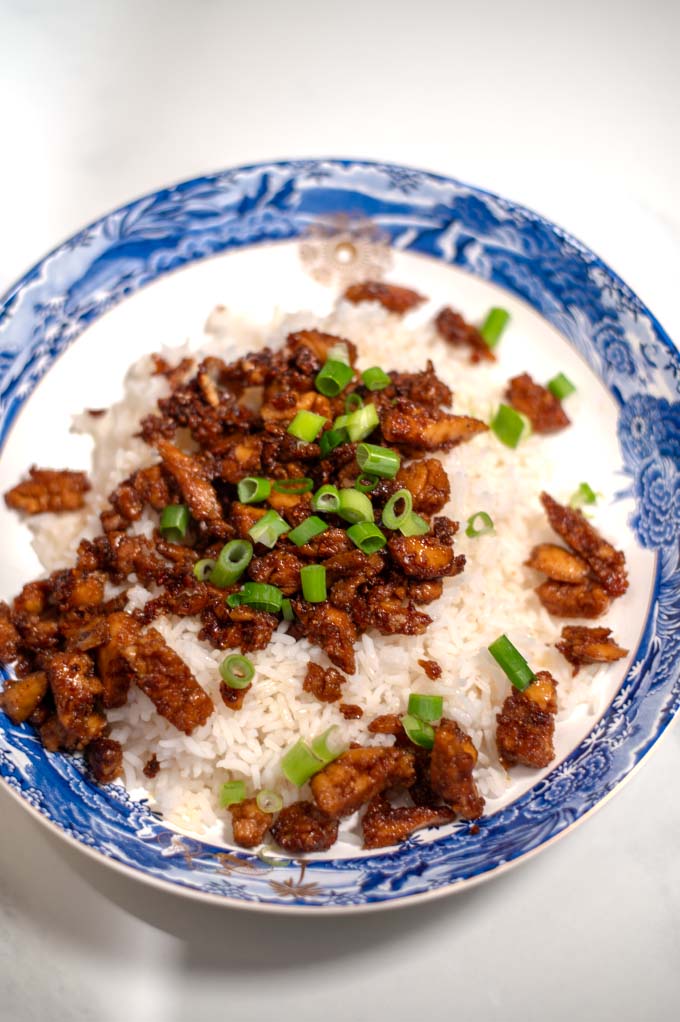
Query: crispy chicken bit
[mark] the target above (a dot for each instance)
(390, 724)
(426, 428)
(329, 628)
(105, 759)
(383, 825)
(77, 695)
(454, 329)
(589, 646)
(301, 827)
(558, 563)
(423, 387)
(192, 479)
(425, 557)
(249, 823)
(9, 637)
(543, 410)
(233, 697)
(432, 669)
(278, 568)
(151, 767)
(526, 724)
(49, 489)
(607, 564)
(587, 599)
(325, 684)
(428, 483)
(319, 344)
(391, 297)
(358, 775)
(451, 766)
(351, 711)
(84, 634)
(20, 698)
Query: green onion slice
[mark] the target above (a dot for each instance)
(306, 426)
(479, 524)
(326, 499)
(253, 489)
(268, 801)
(378, 461)
(367, 537)
(375, 379)
(414, 526)
(232, 792)
(300, 763)
(287, 610)
(561, 386)
(341, 423)
(333, 378)
(203, 568)
(307, 530)
(237, 671)
(301, 485)
(313, 580)
(234, 599)
(259, 596)
(362, 422)
(329, 745)
(366, 483)
(419, 731)
(392, 519)
(338, 353)
(331, 439)
(174, 522)
(233, 559)
(424, 707)
(494, 325)
(510, 426)
(509, 658)
(353, 402)
(584, 495)
(355, 506)
(266, 530)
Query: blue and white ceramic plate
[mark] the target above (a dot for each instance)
(148, 273)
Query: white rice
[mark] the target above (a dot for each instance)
(494, 593)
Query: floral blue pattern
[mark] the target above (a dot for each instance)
(497, 241)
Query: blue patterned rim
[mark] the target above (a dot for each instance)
(491, 238)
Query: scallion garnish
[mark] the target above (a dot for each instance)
(331, 439)
(584, 495)
(287, 610)
(232, 792)
(366, 483)
(424, 707)
(326, 499)
(295, 486)
(306, 426)
(259, 596)
(362, 422)
(367, 537)
(237, 671)
(355, 506)
(353, 402)
(479, 524)
(414, 526)
(493, 326)
(327, 748)
(510, 660)
(375, 379)
(203, 568)
(393, 519)
(307, 530)
(419, 731)
(268, 528)
(268, 801)
(233, 559)
(561, 386)
(300, 763)
(333, 378)
(313, 581)
(174, 522)
(378, 461)
(253, 489)
(338, 353)
(510, 426)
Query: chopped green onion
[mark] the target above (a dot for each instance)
(266, 530)
(313, 581)
(341, 423)
(331, 439)
(237, 671)
(561, 386)
(414, 526)
(300, 763)
(338, 353)
(510, 426)
(234, 599)
(260, 596)
(493, 326)
(232, 792)
(427, 708)
(266, 856)
(366, 483)
(268, 801)
(362, 422)
(509, 658)
(367, 537)
(307, 530)
(378, 461)
(353, 402)
(375, 378)
(301, 485)
(233, 559)
(355, 506)
(390, 518)
(325, 750)
(419, 731)
(287, 610)
(479, 524)
(253, 489)
(174, 522)
(306, 426)
(203, 568)
(333, 378)
(326, 499)
(584, 495)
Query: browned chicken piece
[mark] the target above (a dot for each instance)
(112, 667)
(390, 724)
(193, 481)
(329, 628)
(49, 489)
(241, 457)
(383, 824)
(323, 683)
(71, 590)
(454, 329)
(383, 608)
(452, 763)
(301, 827)
(151, 767)
(320, 344)
(558, 563)
(425, 592)
(54, 736)
(428, 483)
(145, 486)
(249, 823)
(581, 645)
(105, 759)
(331, 542)
(586, 599)
(351, 711)
(432, 669)
(543, 410)
(84, 633)
(391, 297)
(233, 697)
(425, 428)
(20, 698)
(77, 695)
(526, 724)
(243, 517)
(176, 374)
(607, 564)
(9, 637)
(253, 628)
(358, 775)
(278, 568)
(423, 387)
(425, 557)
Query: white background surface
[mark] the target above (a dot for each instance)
(571, 108)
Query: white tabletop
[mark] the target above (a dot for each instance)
(570, 108)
